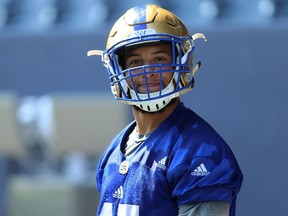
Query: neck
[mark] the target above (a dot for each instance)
(146, 122)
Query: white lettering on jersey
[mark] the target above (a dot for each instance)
(123, 210)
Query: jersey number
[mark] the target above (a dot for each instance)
(123, 210)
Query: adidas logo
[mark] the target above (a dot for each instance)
(200, 171)
(162, 163)
(118, 193)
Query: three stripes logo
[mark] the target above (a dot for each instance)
(162, 163)
(200, 171)
(118, 193)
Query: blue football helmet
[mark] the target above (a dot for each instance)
(145, 25)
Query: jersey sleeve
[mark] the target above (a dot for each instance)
(204, 171)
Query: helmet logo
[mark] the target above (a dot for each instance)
(141, 32)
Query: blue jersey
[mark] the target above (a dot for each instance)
(183, 161)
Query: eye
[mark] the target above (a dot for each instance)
(163, 59)
(133, 63)
(160, 60)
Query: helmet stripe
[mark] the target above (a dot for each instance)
(140, 18)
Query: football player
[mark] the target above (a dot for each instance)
(168, 161)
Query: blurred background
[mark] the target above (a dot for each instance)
(57, 114)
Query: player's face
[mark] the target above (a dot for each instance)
(147, 55)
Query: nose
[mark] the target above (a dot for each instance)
(151, 70)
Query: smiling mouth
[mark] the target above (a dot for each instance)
(152, 87)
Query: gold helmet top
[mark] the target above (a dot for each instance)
(152, 17)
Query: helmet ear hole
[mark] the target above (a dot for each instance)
(187, 78)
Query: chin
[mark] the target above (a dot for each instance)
(173, 101)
